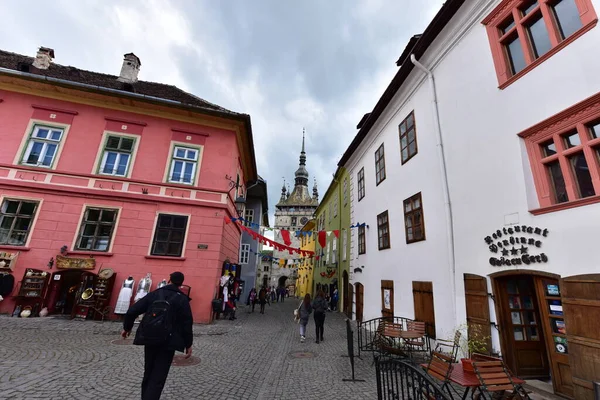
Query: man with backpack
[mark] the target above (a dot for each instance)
(165, 328)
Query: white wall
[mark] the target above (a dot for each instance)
(489, 176)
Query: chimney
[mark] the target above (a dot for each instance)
(130, 69)
(43, 58)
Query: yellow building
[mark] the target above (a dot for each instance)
(305, 270)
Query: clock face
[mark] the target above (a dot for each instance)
(303, 220)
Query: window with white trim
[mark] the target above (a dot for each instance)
(327, 251)
(345, 190)
(335, 206)
(334, 251)
(116, 155)
(344, 244)
(249, 217)
(42, 146)
(244, 253)
(16, 218)
(184, 163)
(169, 236)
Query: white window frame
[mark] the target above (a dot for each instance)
(185, 160)
(334, 250)
(104, 155)
(327, 251)
(113, 234)
(248, 216)
(33, 219)
(32, 138)
(185, 238)
(244, 253)
(344, 244)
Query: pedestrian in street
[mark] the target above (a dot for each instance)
(334, 300)
(165, 328)
(262, 299)
(273, 296)
(304, 312)
(252, 299)
(319, 306)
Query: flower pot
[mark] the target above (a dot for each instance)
(467, 364)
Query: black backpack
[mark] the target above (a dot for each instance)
(157, 324)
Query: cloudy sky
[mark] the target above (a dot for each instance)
(318, 64)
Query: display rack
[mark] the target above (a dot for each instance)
(8, 260)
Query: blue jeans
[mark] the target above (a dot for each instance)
(303, 328)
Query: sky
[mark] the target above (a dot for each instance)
(313, 64)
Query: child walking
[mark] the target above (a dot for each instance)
(304, 312)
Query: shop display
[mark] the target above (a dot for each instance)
(7, 284)
(125, 294)
(93, 296)
(8, 261)
(144, 287)
(34, 284)
(161, 284)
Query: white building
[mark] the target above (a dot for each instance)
(509, 181)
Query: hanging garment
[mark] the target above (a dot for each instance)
(124, 299)
(7, 283)
(144, 287)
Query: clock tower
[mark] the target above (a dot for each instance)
(292, 212)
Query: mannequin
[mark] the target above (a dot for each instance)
(161, 284)
(144, 287)
(125, 296)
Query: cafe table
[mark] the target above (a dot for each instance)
(468, 379)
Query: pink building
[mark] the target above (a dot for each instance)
(101, 172)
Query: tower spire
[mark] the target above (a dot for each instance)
(301, 172)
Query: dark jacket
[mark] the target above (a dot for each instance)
(319, 305)
(182, 337)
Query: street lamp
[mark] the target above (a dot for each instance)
(240, 201)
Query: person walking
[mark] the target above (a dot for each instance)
(319, 306)
(165, 328)
(252, 299)
(262, 299)
(334, 300)
(304, 312)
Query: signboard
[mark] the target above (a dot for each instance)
(516, 245)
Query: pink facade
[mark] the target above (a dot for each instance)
(73, 182)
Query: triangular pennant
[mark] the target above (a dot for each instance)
(336, 233)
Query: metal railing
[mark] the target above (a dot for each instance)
(369, 332)
(397, 379)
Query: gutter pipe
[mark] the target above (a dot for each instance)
(444, 175)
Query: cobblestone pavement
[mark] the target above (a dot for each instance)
(249, 358)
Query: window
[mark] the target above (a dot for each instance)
(379, 165)
(413, 219)
(345, 190)
(408, 138)
(525, 33)
(294, 221)
(330, 210)
(244, 253)
(383, 230)
(266, 268)
(335, 206)
(344, 244)
(248, 217)
(334, 250)
(564, 152)
(16, 218)
(362, 240)
(117, 155)
(96, 230)
(170, 235)
(327, 252)
(184, 163)
(360, 179)
(42, 146)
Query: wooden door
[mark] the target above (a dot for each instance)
(359, 301)
(423, 301)
(387, 298)
(581, 302)
(349, 290)
(550, 305)
(520, 324)
(478, 311)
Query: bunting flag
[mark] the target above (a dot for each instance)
(285, 235)
(336, 233)
(298, 233)
(322, 238)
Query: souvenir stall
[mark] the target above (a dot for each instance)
(7, 279)
(229, 285)
(31, 293)
(93, 296)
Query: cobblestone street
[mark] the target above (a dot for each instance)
(55, 358)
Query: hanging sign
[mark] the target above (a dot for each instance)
(516, 245)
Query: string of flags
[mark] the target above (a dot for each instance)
(286, 233)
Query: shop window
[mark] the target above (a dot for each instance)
(524, 34)
(564, 153)
(244, 253)
(42, 146)
(383, 230)
(117, 155)
(414, 224)
(379, 165)
(169, 236)
(96, 230)
(408, 138)
(360, 180)
(184, 165)
(362, 240)
(16, 218)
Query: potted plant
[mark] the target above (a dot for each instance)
(475, 342)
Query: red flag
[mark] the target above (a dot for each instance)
(336, 233)
(227, 220)
(318, 258)
(285, 235)
(322, 238)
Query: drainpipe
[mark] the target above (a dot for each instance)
(444, 173)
